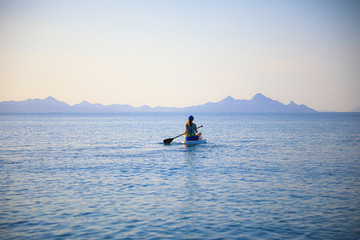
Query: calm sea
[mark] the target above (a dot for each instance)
(108, 176)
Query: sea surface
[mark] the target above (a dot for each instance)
(108, 176)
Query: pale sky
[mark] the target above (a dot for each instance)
(181, 53)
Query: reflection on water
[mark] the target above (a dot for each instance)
(191, 184)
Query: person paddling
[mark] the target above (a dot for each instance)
(191, 132)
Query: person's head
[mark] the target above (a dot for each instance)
(191, 118)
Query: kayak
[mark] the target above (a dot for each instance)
(201, 140)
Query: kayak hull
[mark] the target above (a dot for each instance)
(201, 140)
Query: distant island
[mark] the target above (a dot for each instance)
(258, 104)
(356, 109)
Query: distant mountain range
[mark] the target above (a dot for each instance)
(356, 109)
(259, 103)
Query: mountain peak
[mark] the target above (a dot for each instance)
(260, 97)
(84, 103)
(50, 98)
(228, 99)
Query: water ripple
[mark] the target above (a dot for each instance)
(270, 177)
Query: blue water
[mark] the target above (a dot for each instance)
(108, 176)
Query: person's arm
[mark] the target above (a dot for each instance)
(186, 128)
(195, 128)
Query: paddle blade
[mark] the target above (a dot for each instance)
(168, 140)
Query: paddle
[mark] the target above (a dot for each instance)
(169, 140)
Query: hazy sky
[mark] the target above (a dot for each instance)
(181, 53)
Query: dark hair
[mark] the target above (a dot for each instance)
(190, 121)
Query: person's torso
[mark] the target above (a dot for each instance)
(190, 130)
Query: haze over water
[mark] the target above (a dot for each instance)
(260, 176)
